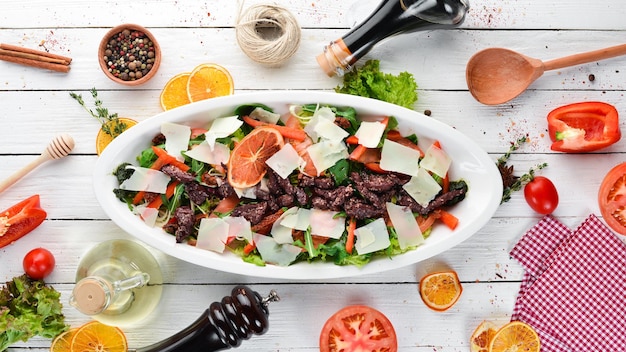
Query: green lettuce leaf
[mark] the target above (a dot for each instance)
(368, 81)
(28, 308)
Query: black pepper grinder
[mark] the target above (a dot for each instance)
(224, 325)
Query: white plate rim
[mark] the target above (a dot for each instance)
(469, 161)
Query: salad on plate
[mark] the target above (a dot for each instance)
(319, 183)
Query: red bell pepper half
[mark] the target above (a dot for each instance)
(20, 219)
(583, 127)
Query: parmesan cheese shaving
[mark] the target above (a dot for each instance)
(144, 179)
(326, 154)
(176, 138)
(222, 127)
(370, 133)
(148, 215)
(212, 234)
(405, 225)
(399, 158)
(320, 116)
(326, 223)
(216, 155)
(239, 228)
(293, 218)
(285, 161)
(436, 161)
(328, 130)
(276, 253)
(372, 237)
(422, 187)
(263, 115)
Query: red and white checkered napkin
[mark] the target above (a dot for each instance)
(574, 288)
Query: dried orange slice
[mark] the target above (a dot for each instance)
(62, 342)
(482, 336)
(440, 290)
(97, 337)
(103, 139)
(174, 94)
(515, 336)
(209, 81)
(246, 166)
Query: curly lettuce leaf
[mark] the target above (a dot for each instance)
(368, 81)
(28, 308)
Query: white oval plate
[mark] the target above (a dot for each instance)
(470, 163)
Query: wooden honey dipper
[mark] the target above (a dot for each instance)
(59, 147)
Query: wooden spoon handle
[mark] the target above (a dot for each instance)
(9, 181)
(584, 58)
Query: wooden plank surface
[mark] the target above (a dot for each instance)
(35, 106)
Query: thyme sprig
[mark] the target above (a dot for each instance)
(513, 183)
(111, 124)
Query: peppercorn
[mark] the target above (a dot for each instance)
(129, 55)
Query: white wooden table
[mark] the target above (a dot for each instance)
(35, 106)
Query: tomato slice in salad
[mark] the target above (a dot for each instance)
(612, 198)
(20, 219)
(358, 328)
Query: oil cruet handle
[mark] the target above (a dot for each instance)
(138, 280)
(93, 295)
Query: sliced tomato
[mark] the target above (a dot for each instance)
(358, 328)
(612, 198)
(20, 219)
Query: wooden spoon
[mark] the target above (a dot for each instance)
(59, 147)
(496, 75)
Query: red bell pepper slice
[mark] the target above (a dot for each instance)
(583, 127)
(20, 219)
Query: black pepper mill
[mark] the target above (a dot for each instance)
(224, 325)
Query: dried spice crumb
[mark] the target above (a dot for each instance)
(592, 77)
(428, 112)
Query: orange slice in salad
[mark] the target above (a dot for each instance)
(246, 166)
(440, 290)
(63, 341)
(209, 81)
(103, 139)
(515, 336)
(174, 94)
(482, 336)
(97, 337)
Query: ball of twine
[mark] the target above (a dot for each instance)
(268, 34)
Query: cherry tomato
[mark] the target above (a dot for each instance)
(38, 263)
(612, 198)
(541, 195)
(358, 328)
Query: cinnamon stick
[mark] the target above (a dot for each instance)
(32, 56)
(19, 49)
(36, 63)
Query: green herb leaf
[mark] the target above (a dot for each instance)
(102, 114)
(515, 183)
